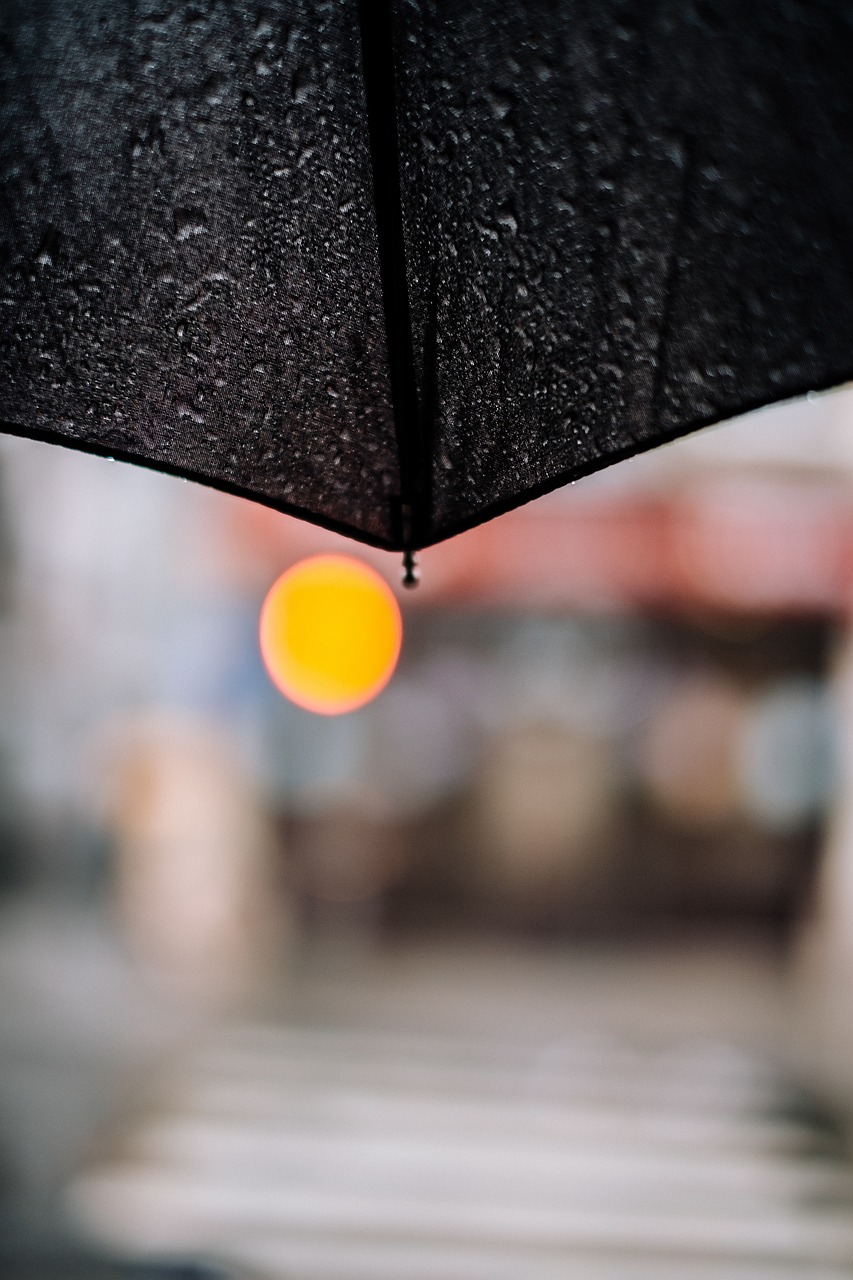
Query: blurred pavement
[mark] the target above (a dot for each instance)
(484, 1110)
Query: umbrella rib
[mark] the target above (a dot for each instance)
(412, 517)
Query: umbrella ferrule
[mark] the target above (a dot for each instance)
(411, 572)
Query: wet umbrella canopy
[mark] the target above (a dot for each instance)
(398, 267)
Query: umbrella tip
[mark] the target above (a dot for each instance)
(411, 572)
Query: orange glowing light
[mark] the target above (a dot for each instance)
(330, 634)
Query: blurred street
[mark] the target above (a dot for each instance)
(540, 965)
(431, 1109)
(474, 1111)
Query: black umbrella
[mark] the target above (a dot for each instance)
(399, 266)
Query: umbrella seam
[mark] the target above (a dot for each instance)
(412, 518)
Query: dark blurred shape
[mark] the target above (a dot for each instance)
(345, 854)
(43, 1260)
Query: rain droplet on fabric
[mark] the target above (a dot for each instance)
(184, 409)
(301, 86)
(214, 91)
(506, 218)
(501, 101)
(188, 223)
(48, 250)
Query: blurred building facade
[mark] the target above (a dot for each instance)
(613, 702)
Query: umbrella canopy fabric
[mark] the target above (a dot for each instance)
(397, 266)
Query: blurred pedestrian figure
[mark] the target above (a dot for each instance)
(196, 883)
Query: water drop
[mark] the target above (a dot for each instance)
(48, 250)
(189, 222)
(214, 91)
(506, 218)
(301, 86)
(184, 409)
(501, 101)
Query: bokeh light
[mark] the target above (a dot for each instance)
(330, 634)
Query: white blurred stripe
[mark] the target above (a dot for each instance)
(312, 1154)
(448, 1164)
(171, 1210)
(244, 1102)
(321, 1258)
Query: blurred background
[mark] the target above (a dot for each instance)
(539, 965)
